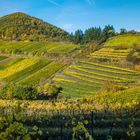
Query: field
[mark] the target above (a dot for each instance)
(36, 48)
(28, 71)
(86, 78)
(110, 54)
(128, 41)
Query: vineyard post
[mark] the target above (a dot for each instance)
(92, 123)
(61, 131)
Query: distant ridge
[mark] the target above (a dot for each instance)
(20, 26)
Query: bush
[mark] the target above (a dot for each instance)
(111, 86)
(133, 56)
(22, 92)
(80, 132)
(49, 91)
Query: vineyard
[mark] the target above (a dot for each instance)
(86, 78)
(57, 85)
(36, 48)
(110, 54)
(105, 114)
(28, 71)
(127, 41)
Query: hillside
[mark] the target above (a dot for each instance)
(47, 88)
(20, 26)
(38, 49)
(126, 40)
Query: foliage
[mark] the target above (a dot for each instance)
(133, 56)
(108, 31)
(19, 26)
(15, 131)
(21, 92)
(118, 111)
(131, 131)
(78, 37)
(94, 34)
(49, 91)
(80, 133)
(13, 127)
(111, 86)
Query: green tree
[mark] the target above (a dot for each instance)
(108, 31)
(93, 34)
(22, 92)
(78, 37)
(49, 91)
(123, 31)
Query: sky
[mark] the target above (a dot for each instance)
(71, 15)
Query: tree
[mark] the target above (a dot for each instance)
(49, 91)
(78, 37)
(22, 92)
(108, 31)
(123, 31)
(93, 34)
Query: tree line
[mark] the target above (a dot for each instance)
(97, 34)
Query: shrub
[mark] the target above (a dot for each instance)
(111, 86)
(137, 67)
(22, 92)
(80, 133)
(49, 91)
(133, 56)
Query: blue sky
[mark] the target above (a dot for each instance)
(79, 14)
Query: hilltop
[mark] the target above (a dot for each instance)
(20, 26)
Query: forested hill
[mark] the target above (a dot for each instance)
(20, 26)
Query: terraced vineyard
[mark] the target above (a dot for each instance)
(85, 78)
(28, 71)
(43, 74)
(36, 48)
(128, 41)
(110, 54)
(2, 58)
